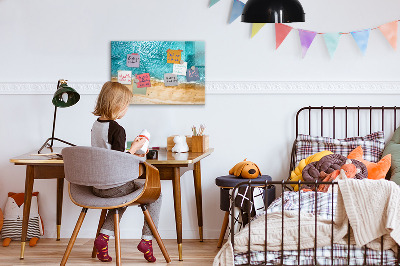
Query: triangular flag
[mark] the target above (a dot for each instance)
(332, 41)
(237, 9)
(281, 31)
(306, 39)
(256, 27)
(390, 32)
(361, 37)
(213, 2)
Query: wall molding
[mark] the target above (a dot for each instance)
(232, 87)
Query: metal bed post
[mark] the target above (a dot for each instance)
(298, 240)
(315, 223)
(333, 189)
(266, 221)
(283, 210)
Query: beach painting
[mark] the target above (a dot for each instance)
(160, 72)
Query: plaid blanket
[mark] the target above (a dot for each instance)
(340, 254)
(323, 205)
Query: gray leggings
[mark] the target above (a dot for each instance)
(154, 208)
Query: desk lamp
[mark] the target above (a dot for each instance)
(64, 96)
(273, 11)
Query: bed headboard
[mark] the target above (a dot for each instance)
(344, 121)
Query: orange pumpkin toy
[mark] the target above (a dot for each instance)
(245, 169)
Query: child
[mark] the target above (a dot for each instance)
(112, 103)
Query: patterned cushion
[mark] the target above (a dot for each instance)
(372, 144)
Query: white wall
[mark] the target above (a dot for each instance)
(42, 41)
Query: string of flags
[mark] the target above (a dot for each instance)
(361, 37)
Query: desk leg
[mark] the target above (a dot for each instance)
(199, 204)
(176, 182)
(27, 206)
(60, 190)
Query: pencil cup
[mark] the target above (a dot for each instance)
(200, 143)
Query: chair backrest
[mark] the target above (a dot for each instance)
(91, 166)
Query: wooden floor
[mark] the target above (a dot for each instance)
(50, 252)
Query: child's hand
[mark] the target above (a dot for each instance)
(142, 155)
(137, 144)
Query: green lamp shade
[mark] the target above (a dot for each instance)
(65, 96)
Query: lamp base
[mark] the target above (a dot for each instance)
(50, 146)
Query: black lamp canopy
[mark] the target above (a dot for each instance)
(273, 11)
(64, 96)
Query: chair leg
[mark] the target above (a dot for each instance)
(101, 222)
(223, 229)
(117, 239)
(154, 230)
(73, 237)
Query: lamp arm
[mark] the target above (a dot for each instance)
(54, 126)
(55, 116)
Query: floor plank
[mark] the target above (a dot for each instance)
(50, 252)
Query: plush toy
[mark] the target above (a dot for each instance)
(296, 174)
(13, 215)
(180, 144)
(245, 169)
(375, 170)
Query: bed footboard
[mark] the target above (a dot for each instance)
(312, 259)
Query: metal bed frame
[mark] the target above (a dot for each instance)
(283, 184)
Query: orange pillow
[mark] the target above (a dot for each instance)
(375, 170)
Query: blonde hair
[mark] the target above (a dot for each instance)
(112, 99)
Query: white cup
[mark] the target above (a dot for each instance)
(144, 134)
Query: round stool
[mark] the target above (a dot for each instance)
(226, 183)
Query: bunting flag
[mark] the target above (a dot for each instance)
(389, 30)
(306, 39)
(281, 31)
(256, 27)
(361, 37)
(237, 9)
(213, 2)
(332, 41)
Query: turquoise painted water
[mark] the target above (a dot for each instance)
(153, 57)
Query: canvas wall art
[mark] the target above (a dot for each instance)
(160, 72)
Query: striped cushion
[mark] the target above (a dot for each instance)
(372, 145)
(13, 228)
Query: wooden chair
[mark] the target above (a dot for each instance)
(85, 167)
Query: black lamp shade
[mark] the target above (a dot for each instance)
(65, 96)
(273, 11)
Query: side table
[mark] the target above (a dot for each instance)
(226, 183)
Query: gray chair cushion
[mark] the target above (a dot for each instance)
(84, 196)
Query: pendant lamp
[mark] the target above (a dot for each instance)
(273, 11)
(64, 96)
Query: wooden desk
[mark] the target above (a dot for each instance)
(40, 167)
(171, 167)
